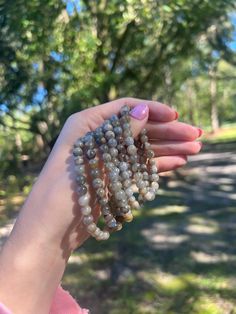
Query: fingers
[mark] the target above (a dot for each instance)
(157, 111)
(172, 131)
(170, 148)
(167, 163)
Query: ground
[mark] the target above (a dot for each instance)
(178, 255)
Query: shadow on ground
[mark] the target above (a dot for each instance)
(178, 256)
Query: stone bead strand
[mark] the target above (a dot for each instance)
(127, 162)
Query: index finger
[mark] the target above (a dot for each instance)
(157, 111)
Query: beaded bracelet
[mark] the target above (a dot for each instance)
(129, 166)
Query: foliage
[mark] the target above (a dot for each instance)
(59, 57)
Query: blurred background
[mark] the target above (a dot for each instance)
(58, 57)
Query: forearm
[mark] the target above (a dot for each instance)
(31, 266)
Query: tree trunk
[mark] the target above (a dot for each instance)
(214, 108)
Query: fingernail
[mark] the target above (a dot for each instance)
(139, 112)
(176, 115)
(200, 132)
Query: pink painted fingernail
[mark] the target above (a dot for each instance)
(200, 132)
(139, 112)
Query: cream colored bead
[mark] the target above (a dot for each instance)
(91, 227)
(86, 210)
(84, 200)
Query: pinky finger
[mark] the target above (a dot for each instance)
(167, 163)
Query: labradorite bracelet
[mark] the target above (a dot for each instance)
(128, 167)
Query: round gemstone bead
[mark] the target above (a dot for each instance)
(86, 210)
(82, 189)
(95, 173)
(87, 220)
(112, 142)
(113, 152)
(100, 192)
(77, 151)
(97, 183)
(131, 149)
(80, 169)
(106, 157)
(129, 140)
(91, 227)
(93, 163)
(91, 153)
(120, 195)
(79, 160)
(123, 166)
(81, 179)
(84, 200)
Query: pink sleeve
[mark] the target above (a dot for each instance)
(62, 303)
(4, 310)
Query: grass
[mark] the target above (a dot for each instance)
(178, 256)
(225, 134)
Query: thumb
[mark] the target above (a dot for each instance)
(139, 116)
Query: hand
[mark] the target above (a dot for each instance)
(49, 226)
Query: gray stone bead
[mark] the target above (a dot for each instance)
(152, 162)
(107, 127)
(131, 149)
(120, 195)
(147, 145)
(145, 175)
(136, 167)
(86, 210)
(143, 132)
(121, 148)
(126, 126)
(81, 190)
(97, 183)
(153, 169)
(81, 179)
(109, 135)
(155, 185)
(93, 163)
(88, 138)
(122, 202)
(130, 173)
(127, 183)
(150, 195)
(112, 223)
(116, 186)
(140, 184)
(100, 192)
(79, 169)
(89, 144)
(113, 152)
(105, 209)
(125, 175)
(138, 176)
(95, 173)
(129, 191)
(91, 227)
(129, 140)
(113, 118)
(118, 130)
(125, 209)
(84, 200)
(79, 143)
(124, 110)
(116, 161)
(132, 199)
(77, 151)
(108, 217)
(150, 153)
(143, 138)
(104, 148)
(123, 166)
(79, 160)
(134, 158)
(91, 153)
(112, 142)
(87, 220)
(109, 165)
(102, 201)
(144, 167)
(106, 157)
(154, 177)
(103, 140)
(127, 133)
(113, 175)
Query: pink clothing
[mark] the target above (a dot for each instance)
(62, 303)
